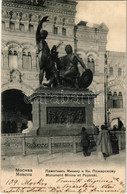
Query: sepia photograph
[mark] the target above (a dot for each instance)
(63, 96)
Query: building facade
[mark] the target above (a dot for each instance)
(117, 86)
(20, 71)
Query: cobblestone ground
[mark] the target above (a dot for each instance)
(62, 159)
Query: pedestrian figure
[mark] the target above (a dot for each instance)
(114, 142)
(29, 127)
(104, 142)
(85, 141)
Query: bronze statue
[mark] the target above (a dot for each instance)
(45, 59)
(69, 73)
(66, 73)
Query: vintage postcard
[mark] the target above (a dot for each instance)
(63, 102)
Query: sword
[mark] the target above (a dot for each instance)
(59, 45)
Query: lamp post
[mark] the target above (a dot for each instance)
(106, 55)
(109, 123)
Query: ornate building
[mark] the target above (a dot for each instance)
(20, 69)
(117, 86)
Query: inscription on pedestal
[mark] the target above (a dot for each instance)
(64, 115)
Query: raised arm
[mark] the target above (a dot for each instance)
(38, 35)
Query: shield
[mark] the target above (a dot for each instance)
(86, 79)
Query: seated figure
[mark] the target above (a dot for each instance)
(68, 67)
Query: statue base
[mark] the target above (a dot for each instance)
(62, 112)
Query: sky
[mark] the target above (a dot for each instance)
(112, 13)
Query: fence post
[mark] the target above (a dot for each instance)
(24, 145)
(50, 145)
(74, 144)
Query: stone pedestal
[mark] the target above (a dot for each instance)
(62, 112)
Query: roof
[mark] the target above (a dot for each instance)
(82, 23)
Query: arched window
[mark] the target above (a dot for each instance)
(3, 25)
(31, 28)
(110, 93)
(13, 63)
(55, 29)
(91, 63)
(35, 2)
(63, 28)
(64, 31)
(115, 94)
(120, 100)
(111, 71)
(120, 93)
(29, 54)
(115, 100)
(12, 26)
(119, 71)
(24, 53)
(114, 103)
(27, 60)
(15, 52)
(55, 18)
(10, 52)
(21, 27)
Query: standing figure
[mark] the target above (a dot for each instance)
(114, 143)
(29, 127)
(46, 63)
(85, 141)
(104, 142)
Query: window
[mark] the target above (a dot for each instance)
(120, 100)
(3, 25)
(63, 21)
(115, 94)
(21, 27)
(12, 26)
(115, 101)
(91, 63)
(35, 2)
(55, 30)
(27, 60)
(120, 93)
(111, 71)
(31, 28)
(110, 102)
(115, 104)
(24, 53)
(10, 52)
(119, 71)
(2, 59)
(13, 59)
(64, 31)
(15, 53)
